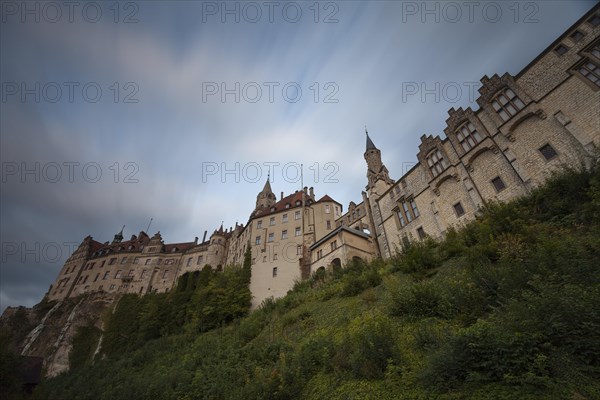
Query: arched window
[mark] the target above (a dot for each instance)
(507, 104)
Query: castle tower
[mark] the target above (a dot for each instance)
(119, 236)
(375, 168)
(266, 198)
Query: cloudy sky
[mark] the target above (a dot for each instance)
(113, 114)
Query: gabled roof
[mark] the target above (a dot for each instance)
(337, 230)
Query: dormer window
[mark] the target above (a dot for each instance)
(174, 249)
(468, 136)
(436, 162)
(298, 202)
(507, 104)
(287, 205)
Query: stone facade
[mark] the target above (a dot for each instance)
(526, 126)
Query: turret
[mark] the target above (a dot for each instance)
(266, 198)
(375, 168)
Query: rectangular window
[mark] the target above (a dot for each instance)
(284, 234)
(436, 162)
(284, 218)
(274, 272)
(257, 241)
(459, 210)
(299, 250)
(594, 20)
(498, 184)
(320, 253)
(106, 275)
(561, 49)
(401, 218)
(328, 224)
(591, 71)
(548, 152)
(507, 104)
(421, 233)
(189, 262)
(159, 261)
(148, 261)
(112, 287)
(297, 232)
(166, 274)
(102, 265)
(200, 259)
(143, 274)
(576, 36)
(333, 245)
(130, 273)
(272, 221)
(407, 212)
(271, 237)
(327, 210)
(96, 278)
(468, 136)
(274, 257)
(259, 224)
(415, 210)
(297, 215)
(118, 274)
(136, 260)
(112, 261)
(85, 279)
(123, 260)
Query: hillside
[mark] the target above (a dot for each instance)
(506, 307)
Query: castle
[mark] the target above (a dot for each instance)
(526, 126)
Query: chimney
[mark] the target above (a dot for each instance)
(204, 238)
(305, 189)
(196, 240)
(281, 196)
(312, 193)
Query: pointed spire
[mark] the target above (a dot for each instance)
(370, 145)
(267, 188)
(119, 236)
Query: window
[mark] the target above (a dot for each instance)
(407, 211)
(274, 272)
(333, 245)
(106, 275)
(297, 232)
(257, 241)
(130, 273)
(561, 49)
(166, 274)
(297, 215)
(591, 71)
(327, 210)
(328, 224)
(102, 265)
(337, 211)
(594, 20)
(272, 221)
(468, 136)
(259, 224)
(299, 250)
(200, 259)
(576, 36)
(118, 274)
(274, 257)
(284, 218)
(159, 261)
(189, 262)
(548, 152)
(596, 51)
(148, 261)
(136, 260)
(264, 258)
(271, 237)
(459, 210)
(498, 184)
(507, 104)
(436, 162)
(85, 279)
(284, 234)
(96, 278)
(143, 274)
(320, 253)
(123, 260)
(112, 261)
(112, 287)
(421, 232)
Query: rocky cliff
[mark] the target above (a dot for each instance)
(47, 329)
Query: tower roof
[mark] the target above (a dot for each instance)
(267, 188)
(370, 145)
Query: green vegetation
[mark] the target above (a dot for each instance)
(507, 307)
